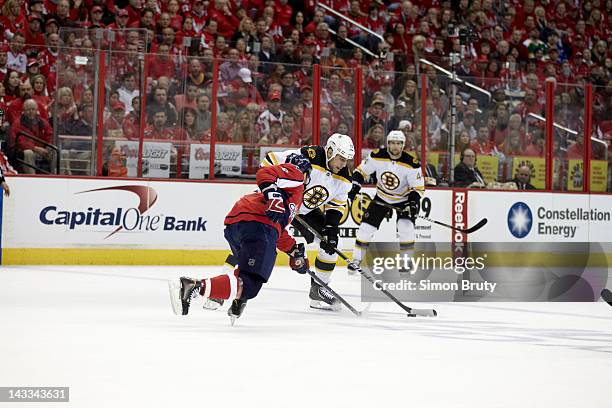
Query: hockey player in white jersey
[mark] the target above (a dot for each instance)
(325, 200)
(399, 184)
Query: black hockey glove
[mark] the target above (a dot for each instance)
(276, 206)
(413, 206)
(354, 191)
(298, 260)
(329, 243)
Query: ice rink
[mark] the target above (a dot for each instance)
(110, 335)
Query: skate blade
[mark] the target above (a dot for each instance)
(175, 297)
(317, 304)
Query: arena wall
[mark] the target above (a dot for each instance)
(106, 221)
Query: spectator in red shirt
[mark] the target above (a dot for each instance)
(39, 84)
(226, 20)
(96, 17)
(159, 129)
(33, 35)
(114, 124)
(576, 150)
(242, 91)
(32, 124)
(115, 167)
(187, 32)
(3, 61)
(283, 13)
(188, 129)
(162, 64)
(26, 92)
(131, 122)
(147, 20)
(188, 99)
(63, 15)
(289, 130)
(536, 148)
(482, 145)
(134, 9)
(176, 19)
(209, 34)
(11, 86)
(224, 128)
(199, 15)
(12, 20)
(375, 137)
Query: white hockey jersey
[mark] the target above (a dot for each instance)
(325, 189)
(395, 178)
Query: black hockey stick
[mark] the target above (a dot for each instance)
(473, 228)
(336, 295)
(411, 312)
(606, 295)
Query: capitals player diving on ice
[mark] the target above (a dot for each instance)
(324, 202)
(399, 184)
(254, 229)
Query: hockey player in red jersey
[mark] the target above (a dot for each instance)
(254, 229)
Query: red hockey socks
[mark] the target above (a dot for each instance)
(221, 287)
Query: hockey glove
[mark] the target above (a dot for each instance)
(329, 243)
(298, 260)
(276, 207)
(413, 206)
(354, 191)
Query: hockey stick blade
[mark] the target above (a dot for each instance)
(423, 313)
(476, 227)
(606, 295)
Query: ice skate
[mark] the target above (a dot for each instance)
(236, 309)
(353, 267)
(407, 269)
(321, 298)
(182, 292)
(213, 304)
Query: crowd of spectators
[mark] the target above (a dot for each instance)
(266, 50)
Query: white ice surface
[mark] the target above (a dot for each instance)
(109, 334)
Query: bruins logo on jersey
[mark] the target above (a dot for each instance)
(312, 153)
(389, 180)
(315, 196)
(359, 205)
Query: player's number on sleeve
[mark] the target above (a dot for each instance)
(426, 206)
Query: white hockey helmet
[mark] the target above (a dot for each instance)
(341, 145)
(396, 136)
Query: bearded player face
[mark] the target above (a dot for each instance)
(395, 148)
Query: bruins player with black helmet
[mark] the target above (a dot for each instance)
(399, 184)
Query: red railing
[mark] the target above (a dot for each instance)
(360, 98)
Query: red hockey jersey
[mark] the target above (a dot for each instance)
(252, 207)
